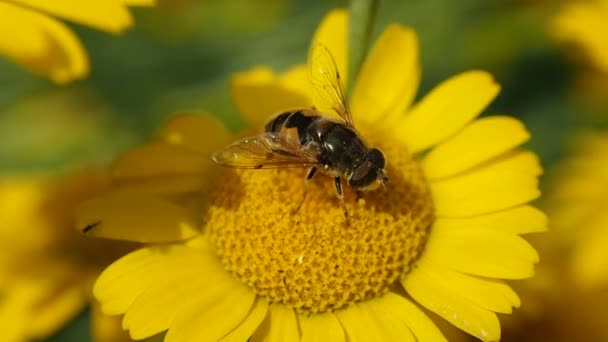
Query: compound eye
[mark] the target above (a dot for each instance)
(376, 157)
(363, 175)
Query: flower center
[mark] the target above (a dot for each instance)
(314, 260)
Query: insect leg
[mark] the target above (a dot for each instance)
(311, 174)
(340, 194)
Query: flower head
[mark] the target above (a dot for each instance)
(47, 269)
(443, 233)
(46, 46)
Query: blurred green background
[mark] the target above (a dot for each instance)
(180, 55)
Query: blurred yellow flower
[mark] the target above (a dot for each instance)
(579, 194)
(442, 235)
(585, 24)
(47, 269)
(32, 37)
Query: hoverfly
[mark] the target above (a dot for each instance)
(307, 138)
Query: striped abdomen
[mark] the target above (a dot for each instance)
(294, 124)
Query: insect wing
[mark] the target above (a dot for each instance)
(327, 83)
(268, 150)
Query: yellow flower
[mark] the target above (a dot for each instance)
(579, 192)
(47, 47)
(442, 235)
(586, 25)
(46, 269)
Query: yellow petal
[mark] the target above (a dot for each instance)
(218, 314)
(122, 282)
(14, 310)
(320, 327)
(280, 325)
(253, 320)
(200, 242)
(112, 16)
(14, 322)
(159, 167)
(258, 95)
(479, 142)
(332, 33)
(297, 80)
(392, 327)
(167, 184)
(389, 78)
(507, 182)
(482, 252)
(362, 323)
(446, 110)
(106, 328)
(490, 294)
(42, 45)
(354, 320)
(137, 217)
(419, 323)
(520, 220)
(154, 310)
(439, 298)
(201, 134)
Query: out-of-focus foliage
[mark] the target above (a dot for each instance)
(181, 20)
(181, 53)
(165, 65)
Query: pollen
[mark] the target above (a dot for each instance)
(315, 260)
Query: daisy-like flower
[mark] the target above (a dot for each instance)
(32, 37)
(585, 24)
(46, 268)
(230, 262)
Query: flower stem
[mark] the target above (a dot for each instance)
(361, 26)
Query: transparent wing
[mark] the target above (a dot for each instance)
(325, 79)
(264, 151)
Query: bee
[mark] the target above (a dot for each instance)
(307, 138)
